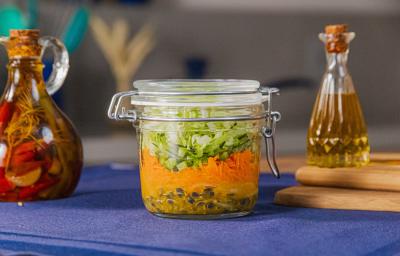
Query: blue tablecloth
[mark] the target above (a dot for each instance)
(105, 216)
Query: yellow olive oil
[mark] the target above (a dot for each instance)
(337, 135)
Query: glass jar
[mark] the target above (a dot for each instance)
(199, 144)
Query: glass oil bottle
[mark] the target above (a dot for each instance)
(337, 135)
(40, 150)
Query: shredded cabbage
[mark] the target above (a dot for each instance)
(179, 145)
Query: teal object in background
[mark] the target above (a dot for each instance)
(11, 17)
(32, 14)
(76, 29)
(72, 37)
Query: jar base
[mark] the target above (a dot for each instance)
(201, 216)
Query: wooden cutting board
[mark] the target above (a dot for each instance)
(338, 198)
(375, 187)
(383, 173)
(377, 176)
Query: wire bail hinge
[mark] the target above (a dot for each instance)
(268, 131)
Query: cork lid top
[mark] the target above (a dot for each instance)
(24, 43)
(27, 33)
(335, 29)
(337, 38)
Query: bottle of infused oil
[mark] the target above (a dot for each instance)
(337, 135)
(40, 150)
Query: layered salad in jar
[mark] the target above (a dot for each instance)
(198, 168)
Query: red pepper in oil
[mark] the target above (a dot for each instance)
(5, 115)
(40, 151)
(33, 190)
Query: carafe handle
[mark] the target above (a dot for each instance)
(3, 40)
(60, 63)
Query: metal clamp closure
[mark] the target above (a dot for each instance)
(269, 137)
(115, 111)
(268, 131)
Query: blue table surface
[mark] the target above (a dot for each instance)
(105, 216)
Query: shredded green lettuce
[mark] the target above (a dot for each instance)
(179, 145)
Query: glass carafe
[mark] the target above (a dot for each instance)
(337, 135)
(40, 151)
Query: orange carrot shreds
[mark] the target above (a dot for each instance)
(240, 167)
(216, 187)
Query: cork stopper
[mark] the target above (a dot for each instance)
(24, 33)
(335, 29)
(336, 40)
(24, 43)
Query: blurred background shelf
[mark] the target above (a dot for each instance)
(324, 6)
(274, 42)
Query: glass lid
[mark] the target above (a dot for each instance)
(192, 92)
(196, 85)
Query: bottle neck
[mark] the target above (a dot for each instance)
(337, 63)
(24, 74)
(22, 68)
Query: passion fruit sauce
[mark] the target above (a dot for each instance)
(212, 200)
(216, 188)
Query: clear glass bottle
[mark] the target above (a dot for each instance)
(337, 135)
(40, 151)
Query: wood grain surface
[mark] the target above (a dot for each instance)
(286, 164)
(375, 187)
(338, 198)
(383, 173)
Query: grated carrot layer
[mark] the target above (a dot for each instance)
(239, 168)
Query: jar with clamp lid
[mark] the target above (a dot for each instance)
(199, 144)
